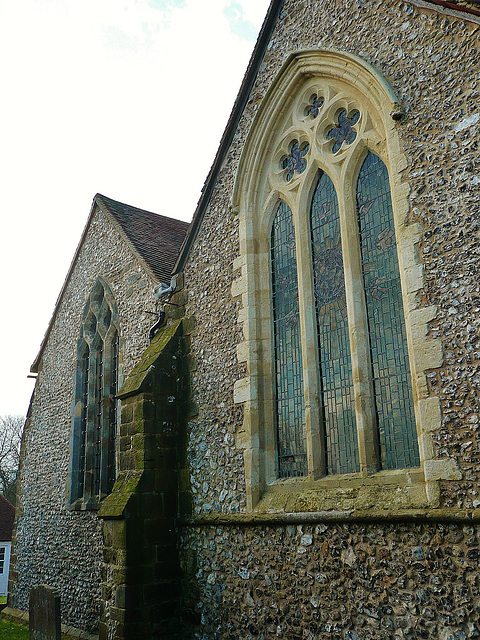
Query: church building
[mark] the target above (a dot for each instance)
(266, 424)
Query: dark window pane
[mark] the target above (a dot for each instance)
(94, 430)
(113, 414)
(84, 382)
(98, 419)
(333, 341)
(388, 343)
(290, 413)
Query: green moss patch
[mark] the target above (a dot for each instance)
(136, 379)
(10, 631)
(113, 506)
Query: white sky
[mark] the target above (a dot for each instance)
(127, 98)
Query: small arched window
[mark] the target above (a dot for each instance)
(94, 428)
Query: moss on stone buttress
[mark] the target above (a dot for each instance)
(136, 380)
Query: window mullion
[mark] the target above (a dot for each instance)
(358, 331)
(316, 454)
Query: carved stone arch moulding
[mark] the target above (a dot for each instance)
(324, 111)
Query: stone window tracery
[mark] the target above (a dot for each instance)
(324, 149)
(389, 434)
(94, 424)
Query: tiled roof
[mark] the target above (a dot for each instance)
(7, 514)
(156, 238)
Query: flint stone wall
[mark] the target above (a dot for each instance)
(53, 545)
(432, 62)
(332, 581)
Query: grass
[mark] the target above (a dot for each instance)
(11, 631)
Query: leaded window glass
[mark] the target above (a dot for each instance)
(388, 343)
(290, 411)
(84, 384)
(95, 412)
(394, 431)
(113, 410)
(97, 454)
(344, 131)
(354, 395)
(337, 402)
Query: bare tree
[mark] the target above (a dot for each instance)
(11, 428)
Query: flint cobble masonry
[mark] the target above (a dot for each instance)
(347, 576)
(346, 580)
(336, 581)
(53, 545)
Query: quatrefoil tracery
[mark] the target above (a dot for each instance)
(295, 161)
(344, 131)
(315, 104)
(323, 122)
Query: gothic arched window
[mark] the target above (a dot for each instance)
(336, 340)
(92, 464)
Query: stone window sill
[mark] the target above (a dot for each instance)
(386, 490)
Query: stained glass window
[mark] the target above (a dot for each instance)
(290, 411)
(333, 339)
(295, 162)
(388, 344)
(95, 416)
(344, 131)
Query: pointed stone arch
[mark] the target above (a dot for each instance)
(314, 92)
(95, 406)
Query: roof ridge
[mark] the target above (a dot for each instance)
(106, 200)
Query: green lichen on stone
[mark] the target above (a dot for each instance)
(113, 506)
(136, 380)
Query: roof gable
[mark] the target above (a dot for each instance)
(157, 239)
(154, 239)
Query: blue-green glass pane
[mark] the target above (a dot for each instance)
(111, 469)
(333, 341)
(85, 367)
(290, 411)
(385, 316)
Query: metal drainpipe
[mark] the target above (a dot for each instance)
(160, 293)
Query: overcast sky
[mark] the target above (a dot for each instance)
(127, 98)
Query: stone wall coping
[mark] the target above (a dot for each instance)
(68, 633)
(466, 516)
